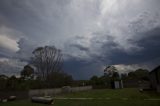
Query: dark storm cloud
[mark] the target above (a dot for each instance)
(82, 69)
(150, 49)
(149, 55)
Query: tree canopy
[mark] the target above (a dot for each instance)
(27, 72)
(47, 60)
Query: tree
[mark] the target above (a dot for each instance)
(59, 79)
(94, 80)
(12, 83)
(47, 60)
(111, 74)
(27, 72)
(115, 76)
(124, 76)
(100, 82)
(3, 81)
(139, 74)
(110, 70)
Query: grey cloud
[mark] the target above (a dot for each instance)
(82, 48)
(97, 32)
(122, 68)
(11, 66)
(150, 51)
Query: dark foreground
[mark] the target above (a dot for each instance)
(105, 97)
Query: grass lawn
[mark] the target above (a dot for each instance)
(120, 97)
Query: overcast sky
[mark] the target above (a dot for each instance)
(90, 33)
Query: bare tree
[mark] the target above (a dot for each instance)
(47, 60)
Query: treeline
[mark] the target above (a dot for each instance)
(132, 79)
(45, 71)
(26, 82)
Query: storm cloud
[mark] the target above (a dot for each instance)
(90, 33)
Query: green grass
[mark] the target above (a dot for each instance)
(135, 98)
(87, 103)
(130, 93)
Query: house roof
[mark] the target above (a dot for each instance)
(156, 69)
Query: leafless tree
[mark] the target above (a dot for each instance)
(47, 60)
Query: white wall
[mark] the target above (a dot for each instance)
(52, 92)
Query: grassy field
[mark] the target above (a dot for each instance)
(105, 97)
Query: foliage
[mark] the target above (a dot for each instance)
(59, 79)
(3, 81)
(111, 74)
(47, 60)
(110, 70)
(48, 63)
(100, 82)
(27, 72)
(139, 74)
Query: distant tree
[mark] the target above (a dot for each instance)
(142, 74)
(3, 77)
(110, 70)
(47, 60)
(111, 74)
(12, 83)
(3, 81)
(139, 74)
(124, 76)
(100, 82)
(131, 75)
(59, 79)
(27, 72)
(115, 76)
(94, 80)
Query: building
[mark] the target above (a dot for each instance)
(155, 79)
(117, 84)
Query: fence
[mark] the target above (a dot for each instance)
(51, 92)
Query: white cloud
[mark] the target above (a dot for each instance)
(8, 43)
(9, 38)
(122, 68)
